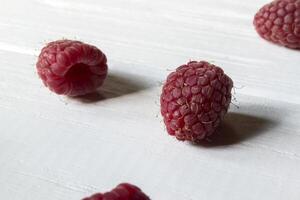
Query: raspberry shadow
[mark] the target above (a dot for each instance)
(116, 85)
(239, 127)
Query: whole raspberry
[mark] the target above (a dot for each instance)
(123, 191)
(194, 100)
(71, 67)
(279, 22)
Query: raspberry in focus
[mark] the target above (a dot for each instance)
(71, 68)
(194, 100)
(279, 22)
(123, 191)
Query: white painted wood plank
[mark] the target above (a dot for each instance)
(54, 147)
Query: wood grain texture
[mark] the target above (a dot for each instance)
(58, 148)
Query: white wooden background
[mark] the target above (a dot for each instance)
(57, 148)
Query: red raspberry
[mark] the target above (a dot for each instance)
(71, 67)
(279, 22)
(194, 100)
(124, 191)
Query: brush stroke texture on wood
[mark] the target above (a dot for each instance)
(57, 148)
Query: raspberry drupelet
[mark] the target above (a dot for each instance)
(279, 22)
(71, 68)
(194, 100)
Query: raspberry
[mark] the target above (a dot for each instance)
(123, 191)
(71, 67)
(194, 100)
(279, 22)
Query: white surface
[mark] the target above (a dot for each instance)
(56, 148)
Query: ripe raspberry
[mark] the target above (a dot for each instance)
(279, 22)
(194, 100)
(123, 191)
(71, 67)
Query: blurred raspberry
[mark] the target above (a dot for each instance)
(194, 100)
(279, 22)
(123, 191)
(71, 67)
